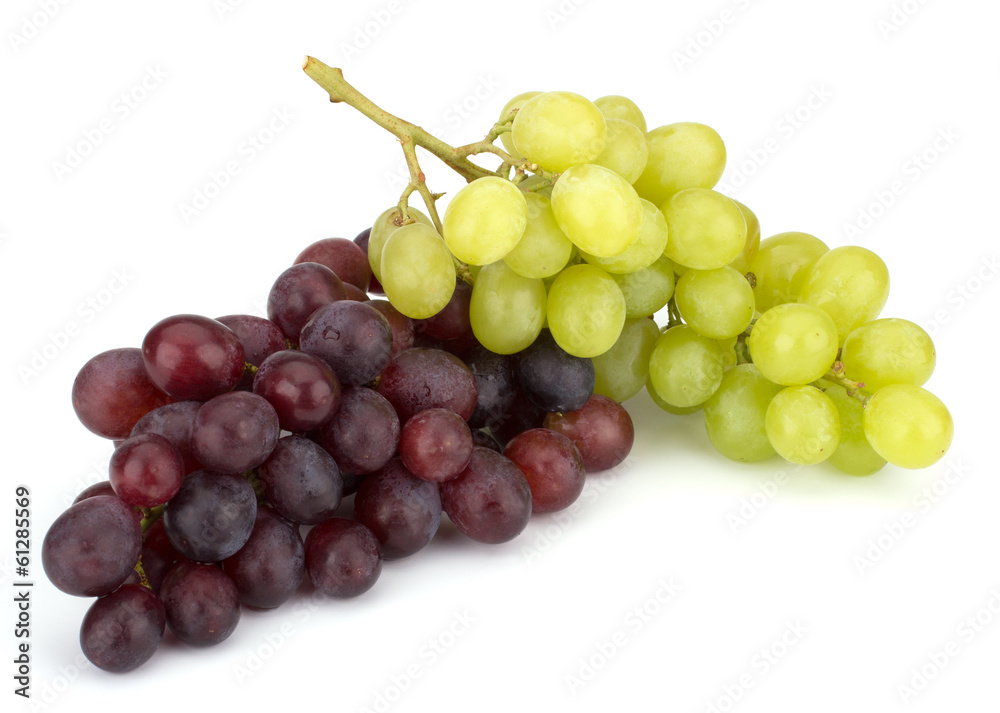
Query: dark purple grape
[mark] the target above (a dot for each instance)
(101, 488)
(401, 325)
(112, 391)
(201, 602)
(352, 337)
(93, 546)
(298, 292)
(212, 515)
(158, 555)
(146, 470)
(364, 433)
(362, 238)
(343, 557)
(193, 358)
(435, 445)
(521, 415)
(401, 510)
(173, 422)
(347, 260)
(553, 379)
(552, 465)
(419, 379)
(302, 388)
(602, 431)
(485, 440)
(269, 568)
(494, 385)
(301, 481)
(354, 294)
(490, 501)
(121, 630)
(260, 339)
(452, 322)
(234, 432)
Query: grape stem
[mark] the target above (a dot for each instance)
(836, 375)
(150, 515)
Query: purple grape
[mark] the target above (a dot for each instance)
(234, 432)
(343, 557)
(435, 445)
(112, 391)
(298, 292)
(146, 470)
(364, 433)
(158, 555)
(301, 481)
(401, 325)
(212, 515)
(302, 388)
(193, 358)
(347, 260)
(553, 379)
(92, 547)
(490, 501)
(354, 294)
(521, 415)
(100, 488)
(352, 337)
(552, 465)
(494, 386)
(201, 602)
(260, 339)
(601, 430)
(485, 440)
(419, 379)
(452, 322)
(269, 568)
(401, 510)
(173, 422)
(121, 630)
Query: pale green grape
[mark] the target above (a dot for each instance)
(681, 156)
(854, 455)
(385, 224)
(849, 283)
(647, 291)
(622, 370)
(908, 425)
(625, 152)
(728, 347)
(544, 249)
(507, 310)
(742, 261)
(685, 367)
(803, 425)
(597, 209)
(515, 103)
(585, 310)
(793, 344)
(485, 220)
(707, 230)
(418, 272)
(715, 303)
(670, 408)
(734, 416)
(646, 249)
(615, 106)
(888, 351)
(781, 266)
(557, 130)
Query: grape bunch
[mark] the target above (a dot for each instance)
(255, 456)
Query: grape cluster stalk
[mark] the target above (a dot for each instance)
(256, 456)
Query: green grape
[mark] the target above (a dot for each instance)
(625, 152)
(485, 220)
(681, 156)
(585, 310)
(854, 455)
(622, 370)
(515, 103)
(615, 106)
(802, 424)
(544, 249)
(670, 408)
(385, 224)
(597, 209)
(793, 344)
(742, 261)
(908, 425)
(557, 130)
(851, 284)
(728, 347)
(707, 230)
(507, 310)
(734, 416)
(418, 272)
(647, 291)
(781, 266)
(685, 367)
(646, 249)
(888, 351)
(715, 303)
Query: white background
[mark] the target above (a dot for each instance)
(886, 81)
